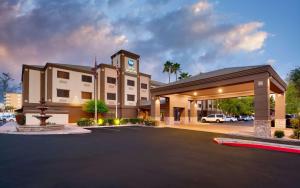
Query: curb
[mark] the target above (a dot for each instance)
(258, 145)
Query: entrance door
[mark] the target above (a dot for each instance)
(177, 114)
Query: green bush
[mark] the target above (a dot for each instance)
(296, 133)
(136, 120)
(133, 120)
(109, 121)
(151, 122)
(123, 121)
(21, 119)
(85, 122)
(279, 134)
(295, 123)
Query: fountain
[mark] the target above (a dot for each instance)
(42, 116)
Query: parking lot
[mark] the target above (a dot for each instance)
(140, 157)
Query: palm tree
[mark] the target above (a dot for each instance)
(168, 68)
(184, 75)
(176, 68)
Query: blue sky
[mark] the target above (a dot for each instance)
(200, 35)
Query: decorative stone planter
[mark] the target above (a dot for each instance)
(37, 128)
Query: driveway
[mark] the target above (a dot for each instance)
(140, 157)
(235, 128)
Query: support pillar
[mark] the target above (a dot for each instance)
(193, 112)
(262, 123)
(280, 121)
(155, 108)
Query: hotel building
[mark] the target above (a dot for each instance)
(67, 87)
(13, 100)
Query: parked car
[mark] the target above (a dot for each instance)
(231, 119)
(214, 118)
(8, 118)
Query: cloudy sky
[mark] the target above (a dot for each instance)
(200, 35)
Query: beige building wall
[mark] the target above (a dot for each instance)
(34, 86)
(14, 100)
(144, 92)
(74, 84)
(109, 88)
(130, 90)
(116, 60)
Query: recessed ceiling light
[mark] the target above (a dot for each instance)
(195, 93)
(220, 90)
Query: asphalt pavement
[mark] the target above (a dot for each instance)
(140, 157)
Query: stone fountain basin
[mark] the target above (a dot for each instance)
(38, 128)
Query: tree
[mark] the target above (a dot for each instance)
(294, 77)
(5, 80)
(272, 102)
(175, 69)
(184, 75)
(168, 68)
(292, 99)
(89, 107)
(237, 106)
(293, 92)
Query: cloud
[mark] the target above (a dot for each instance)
(271, 62)
(244, 37)
(74, 31)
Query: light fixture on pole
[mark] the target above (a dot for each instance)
(117, 70)
(95, 90)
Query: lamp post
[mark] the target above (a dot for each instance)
(95, 90)
(117, 70)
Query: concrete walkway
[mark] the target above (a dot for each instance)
(11, 128)
(234, 129)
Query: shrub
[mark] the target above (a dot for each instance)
(124, 121)
(116, 121)
(133, 120)
(150, 122)
(279, 134)
(85, 122)
(100, 121)
(21, 119)
(295, 123)
(109, 121)
(136, 120)
(296, 133)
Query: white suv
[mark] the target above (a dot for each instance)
(214, 118)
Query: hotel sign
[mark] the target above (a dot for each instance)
(131, 66)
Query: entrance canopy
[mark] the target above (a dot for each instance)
(259, 81)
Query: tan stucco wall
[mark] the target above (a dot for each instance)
(132, 90)
(34, 86)
(144, 92)
(74, 84)
(109, 88)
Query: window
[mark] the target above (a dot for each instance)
(143, 98)
(63, 93)
(211, 116)
(111, 80)
(63, 75)
(86, 78)
(111, 96)
(130, 82)
(144, 86)
(86, 95)
(220, 116)
(130, 97)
